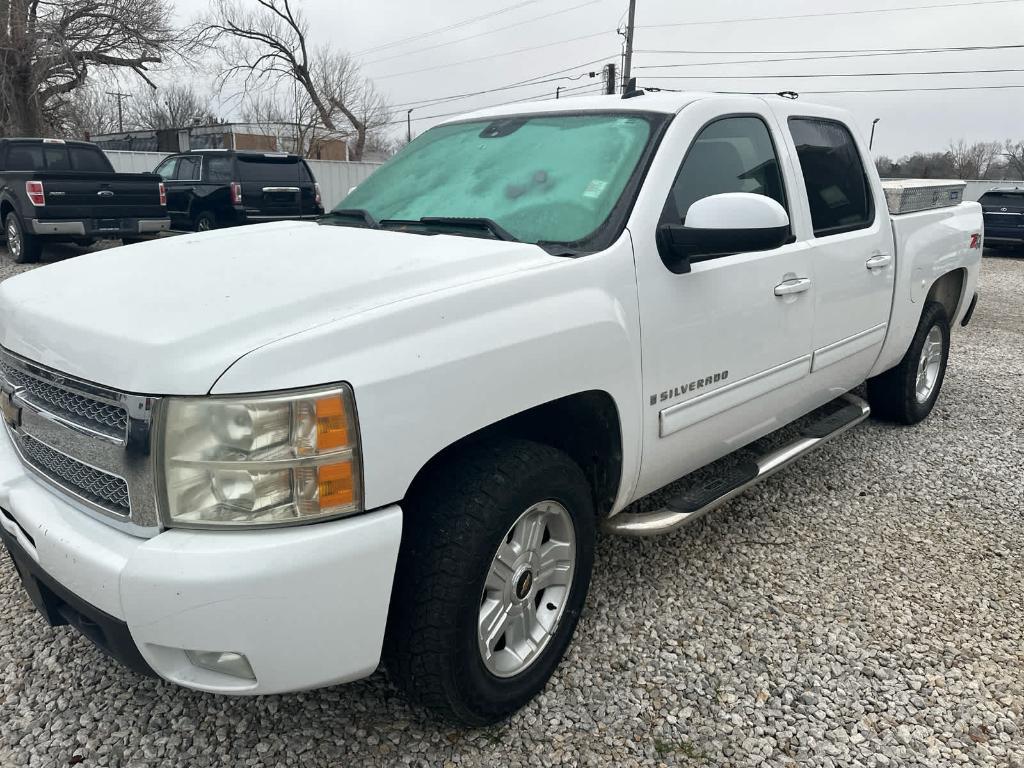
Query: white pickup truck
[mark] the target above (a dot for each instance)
(266, 459)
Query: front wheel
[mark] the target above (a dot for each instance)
(23, 247)
(494, 570)
(907, 393)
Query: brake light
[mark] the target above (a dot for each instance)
(34, 190)
(316, 190)
(236, 193)
(163, 194)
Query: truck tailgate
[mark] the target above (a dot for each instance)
(90, 195)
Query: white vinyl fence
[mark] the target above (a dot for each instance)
(336, 178)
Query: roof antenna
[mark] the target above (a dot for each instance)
(792, 95)
(631, 90)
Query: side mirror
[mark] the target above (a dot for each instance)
(722, 225)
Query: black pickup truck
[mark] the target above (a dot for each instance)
(55, 190)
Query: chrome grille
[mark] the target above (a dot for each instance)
(101, 488)
(78, 408)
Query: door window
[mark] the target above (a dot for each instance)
(188, 169)
(837, 186)
(734, 154)
(167, 167)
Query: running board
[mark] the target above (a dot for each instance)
(697, 502)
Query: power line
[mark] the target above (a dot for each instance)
(550, 77)
(788, 76)
(864, 55)
(539, 97)
(880, 51)
(864, 90)
(448, 28)
(491, 56)
(971, 3)
(483, 34)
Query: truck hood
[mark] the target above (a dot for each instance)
(170, 316)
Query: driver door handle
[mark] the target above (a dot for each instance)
(878, 261)
(789, 287)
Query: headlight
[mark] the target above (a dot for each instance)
(260, 460)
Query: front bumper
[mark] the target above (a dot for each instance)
(307, 606)
(112, 228)
(1004, 234)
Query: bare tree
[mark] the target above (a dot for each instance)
(176, 106)
(48, 47)
(1013, 151)
(266, 42)
(83, 113)
(972, 161)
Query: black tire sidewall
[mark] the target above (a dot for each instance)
(209, 217)
(477, 683)
(29, 247)
(934, 315)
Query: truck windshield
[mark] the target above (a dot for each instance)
(551, 178)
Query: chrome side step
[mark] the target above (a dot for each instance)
(695, 503)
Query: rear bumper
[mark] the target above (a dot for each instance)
(98, 227)
(307, 606)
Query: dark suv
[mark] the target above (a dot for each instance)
(1004, 216)
(214, 188)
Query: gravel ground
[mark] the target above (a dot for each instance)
(862, 608)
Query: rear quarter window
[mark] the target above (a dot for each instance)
(269, 169)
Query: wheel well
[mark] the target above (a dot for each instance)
(948, 290)
(584, 425)
(5, 208)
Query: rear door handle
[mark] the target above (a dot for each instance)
(878, 261)
(789, 287)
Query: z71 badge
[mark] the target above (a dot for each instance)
(693, 386)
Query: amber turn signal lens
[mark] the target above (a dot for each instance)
(336, 485)
(331, 424)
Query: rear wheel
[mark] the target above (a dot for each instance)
(493, 574)
(205, 221)
(907, 393)
(23, 247)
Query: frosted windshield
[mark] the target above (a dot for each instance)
(541, 178)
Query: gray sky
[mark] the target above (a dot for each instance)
(429, 66)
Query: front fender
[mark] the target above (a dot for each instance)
(429, 371)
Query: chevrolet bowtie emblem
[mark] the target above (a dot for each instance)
(11, 411)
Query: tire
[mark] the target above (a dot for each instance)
(204, 221)
(23, 247)
(132, 240)
(479, 506)
(907, 393)
(84, 242)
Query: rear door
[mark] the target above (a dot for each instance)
(850, 239)
(1004, 214)
(271, 186)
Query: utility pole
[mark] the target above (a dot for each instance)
(627, 64)
(120, 110)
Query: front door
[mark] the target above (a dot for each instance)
(724, 356)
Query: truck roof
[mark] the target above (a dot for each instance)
(30, 140)
(666, 102)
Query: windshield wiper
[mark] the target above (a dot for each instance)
(467, 225)
(350, 216)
